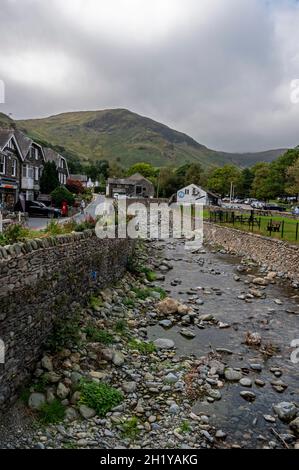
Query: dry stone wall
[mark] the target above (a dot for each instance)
(42, 279)
(280, 256)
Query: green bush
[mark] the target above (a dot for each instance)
(142, 346)
(143, 294)
(66, 333)
(15, 233)
(61, 194)
(3, 240)
(121, 327)
(150, 275)
(96, 335)
(54, 228)
(95, 302)
(130, 428)
(52, 413)
(100, 397)
(128, 302)
(87, 224)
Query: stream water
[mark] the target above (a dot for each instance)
(242, 421)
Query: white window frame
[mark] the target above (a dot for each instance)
(36, 173)
(14, 167)
(3, 164)
(29, 171)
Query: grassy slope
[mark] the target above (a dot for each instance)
(123, 136)
(5, 121)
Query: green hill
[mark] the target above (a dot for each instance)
(127, 138)
(6, 122)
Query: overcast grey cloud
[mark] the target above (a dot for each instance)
(219, 70)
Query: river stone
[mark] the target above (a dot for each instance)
(245, 382)
(174, 409)
(118, 358)
(46, 363)
(215, 394)
(166, 323)
(71, 414)
(171, 378)
(206, 317)
(164, 343)
(87, 412)
(286, 411)
(248, 396)
(260, 281)
(187, 333)
(53, 377)
(62, 391)
(168, 306)
(129, 387)
(183, 309)
(269, 418)
(232, 375)
(36, 401)
(294, 425)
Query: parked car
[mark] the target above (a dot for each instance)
(238, 201)
(39, 209)
(257, 205)
(274, 207)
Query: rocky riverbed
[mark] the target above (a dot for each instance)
(200, 352)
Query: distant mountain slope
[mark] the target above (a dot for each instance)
(6, 121)
(122, 136)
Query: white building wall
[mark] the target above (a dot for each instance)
(192, 194)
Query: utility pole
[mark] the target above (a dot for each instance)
(231, 192)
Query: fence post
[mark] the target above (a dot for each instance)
(297, 228)
(270, 227)
(282, 229)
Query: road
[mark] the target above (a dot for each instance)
(40, 223)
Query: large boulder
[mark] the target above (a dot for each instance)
(168, 306)
(286, 411)
(87, 412)
(36, 401)
(164, 343)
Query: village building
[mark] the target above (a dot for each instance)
(82, 178)
(33, 160)
(11, 159)
(60, 162)
(192, 194)
(133, 186)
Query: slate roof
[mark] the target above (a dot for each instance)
(5, 135)
(24, 142)
(51, 155)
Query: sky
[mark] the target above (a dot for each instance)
(219, 70)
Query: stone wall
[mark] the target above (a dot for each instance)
(40, 280)
(280, 256)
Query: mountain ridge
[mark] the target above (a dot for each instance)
(125, 137)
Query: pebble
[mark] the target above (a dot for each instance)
(232, 375)
(174, 409)
(248, 396)
(246, 382)
(269, 419)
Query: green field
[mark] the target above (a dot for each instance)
(289, 229)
